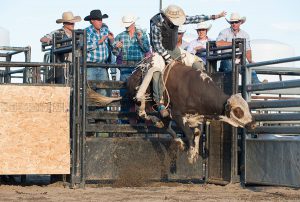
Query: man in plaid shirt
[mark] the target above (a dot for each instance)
(130, 46)
(163, 38)
(99, 40)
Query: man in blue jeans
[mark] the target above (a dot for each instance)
(225, 39)
(99, 42)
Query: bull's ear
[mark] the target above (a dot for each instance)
(238, 112)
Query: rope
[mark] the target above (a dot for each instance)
(167, 75)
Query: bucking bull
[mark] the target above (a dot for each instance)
(193, 98)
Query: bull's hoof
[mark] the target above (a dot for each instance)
(159, 124)
(193, 155)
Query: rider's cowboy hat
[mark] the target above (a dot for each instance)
(68, 17)
(235, 17)
(128, 20)
(203, 25)
(175, 14)
(95, 15)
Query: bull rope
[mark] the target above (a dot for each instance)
(166, 78)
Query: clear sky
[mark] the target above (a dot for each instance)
(28, 20)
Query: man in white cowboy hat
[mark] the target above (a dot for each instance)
(163, 38)
(198, 46)
(225, 39)
(180, 42)
(68, 20)
(99, 46)
(189, 59)
(130, 46)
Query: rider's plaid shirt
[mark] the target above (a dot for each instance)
(97, 52)
(155, 31)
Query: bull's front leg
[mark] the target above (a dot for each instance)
(194, 150)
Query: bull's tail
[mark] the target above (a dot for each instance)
(97, 99)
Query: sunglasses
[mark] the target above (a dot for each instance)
(235, 22)
(69, 23)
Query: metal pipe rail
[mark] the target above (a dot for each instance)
(276, 130)
(272, 62)
(61, 41)
(277, 117)
(9, 48)
(30, 64)
(274, 104)
(93, 65)
(288, 73)
(274, 85)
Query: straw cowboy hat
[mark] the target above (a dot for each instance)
(175, 14)
(203, 25)
(181, 29)
(95, 15)
(235, 17)
(128, 20)
(68, 17)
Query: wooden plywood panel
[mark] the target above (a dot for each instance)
(34, 130)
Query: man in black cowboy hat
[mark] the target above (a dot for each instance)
(99, 45)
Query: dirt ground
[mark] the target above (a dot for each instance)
(151, 192)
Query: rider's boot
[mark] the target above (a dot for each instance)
(163, 111)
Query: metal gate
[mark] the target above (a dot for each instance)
(272, 154)
(110, 143)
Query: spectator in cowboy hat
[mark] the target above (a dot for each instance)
(225, 39)
(163, 38)
(198, 46)
(68, 20)
(130, 45)
(180, 42)
(182, 45)
(99, 46)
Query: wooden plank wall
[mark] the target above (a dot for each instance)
(34, 130)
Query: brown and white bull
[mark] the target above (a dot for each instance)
(194, 98)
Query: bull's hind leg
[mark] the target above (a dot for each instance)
(194, 151)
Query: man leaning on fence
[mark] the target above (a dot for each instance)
(225, 39)
(68, 20)
(99, 46)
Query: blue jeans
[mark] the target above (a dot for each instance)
(98, 74)
(226, 66)
(124, 74)
(158, 87)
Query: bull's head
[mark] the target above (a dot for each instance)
(237, 113)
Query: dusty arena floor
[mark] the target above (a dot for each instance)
(151, 192)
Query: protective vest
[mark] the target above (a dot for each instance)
(169, 34)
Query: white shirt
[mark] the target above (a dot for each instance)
(195, 43)
(228, 34)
